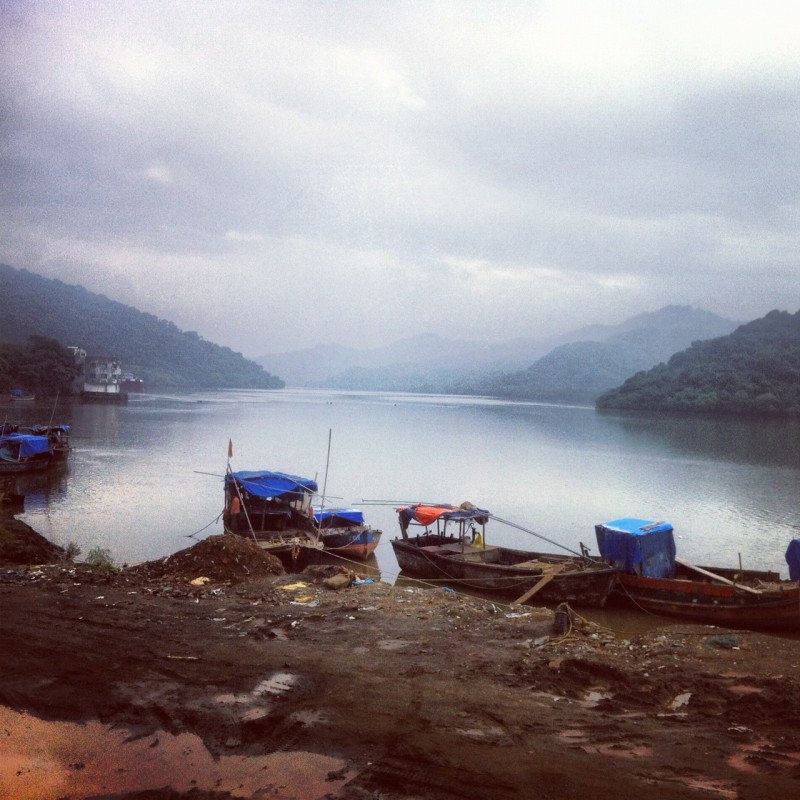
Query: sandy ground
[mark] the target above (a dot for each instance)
(380, 691)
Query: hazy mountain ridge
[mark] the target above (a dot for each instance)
(753, 370)
(405, 362)
(573, 367)
(580, 371)
(153, 349)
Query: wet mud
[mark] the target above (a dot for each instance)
(147, 682)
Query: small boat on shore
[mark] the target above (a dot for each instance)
(24, 452)
(344, 533)
(653, 579)
(276, 510)
(453, 550)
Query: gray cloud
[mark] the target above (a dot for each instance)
(274, 175)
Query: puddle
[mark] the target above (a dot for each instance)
(742, 689)
(278, 683)
(721, 788)
(681, 701)
(622, 749)
(593, 698)
(40, 760)
(760, 757)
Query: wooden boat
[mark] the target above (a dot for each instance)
(344, 533)
(654, 580)
(275, 509)
(24, 452)
(456, 553)
(58, 436)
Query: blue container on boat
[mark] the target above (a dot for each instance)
(638, 546)
(793, 559)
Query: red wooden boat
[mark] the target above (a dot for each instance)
(653, 579)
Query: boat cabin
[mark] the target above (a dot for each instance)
(638, 547)
(266, 503)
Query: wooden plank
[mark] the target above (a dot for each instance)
(713, 576)
(535, 588)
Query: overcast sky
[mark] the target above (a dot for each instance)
(274, 175)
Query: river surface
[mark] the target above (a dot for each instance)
(145, 480)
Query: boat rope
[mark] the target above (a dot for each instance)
(583, 556)
(213, 522)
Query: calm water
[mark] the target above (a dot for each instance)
(145, 477)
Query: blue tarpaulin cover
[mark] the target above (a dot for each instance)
(271, 485)
(346, 514)
(28, 445)
(793, 559)
(638, 546)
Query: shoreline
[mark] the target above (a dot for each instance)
(387, 692)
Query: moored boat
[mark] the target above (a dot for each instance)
(453, 550)
(653, 579)
(24, 452)
(58, 436)
(276, 510)
(344, 533)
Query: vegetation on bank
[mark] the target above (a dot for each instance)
(754, 370)
(42, 367)
(153, 349)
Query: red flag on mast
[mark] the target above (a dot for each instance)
(230, 449)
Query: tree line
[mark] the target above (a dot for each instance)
(42, 367)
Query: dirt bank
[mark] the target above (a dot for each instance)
(417, 693)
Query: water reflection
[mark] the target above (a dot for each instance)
(146, 477)
(770, 442)
(46, 759)
(37, 490)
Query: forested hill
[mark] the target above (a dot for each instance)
(754, 370)
(602, 356)
(153, 349)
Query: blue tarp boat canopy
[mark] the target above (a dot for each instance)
(29, 445)
(793, 559)
(273, 485)
(43, 430)
(352, 515)
(638, 546)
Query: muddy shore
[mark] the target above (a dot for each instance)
(407, 692)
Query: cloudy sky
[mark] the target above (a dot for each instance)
(278, 174)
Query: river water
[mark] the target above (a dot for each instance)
(145, 480)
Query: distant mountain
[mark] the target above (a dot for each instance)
(573, 367)
(418, 363)
(153, 349)
(579, 371)
(754, 370)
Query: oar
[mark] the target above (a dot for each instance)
(713, 576)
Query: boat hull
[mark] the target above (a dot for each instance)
(29, 465)
(358, 543)
(505, 572)
(294, 549)
(775, 607)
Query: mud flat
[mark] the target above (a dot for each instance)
(212, 674)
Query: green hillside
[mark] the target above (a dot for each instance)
(153, 349)
(754, 370)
